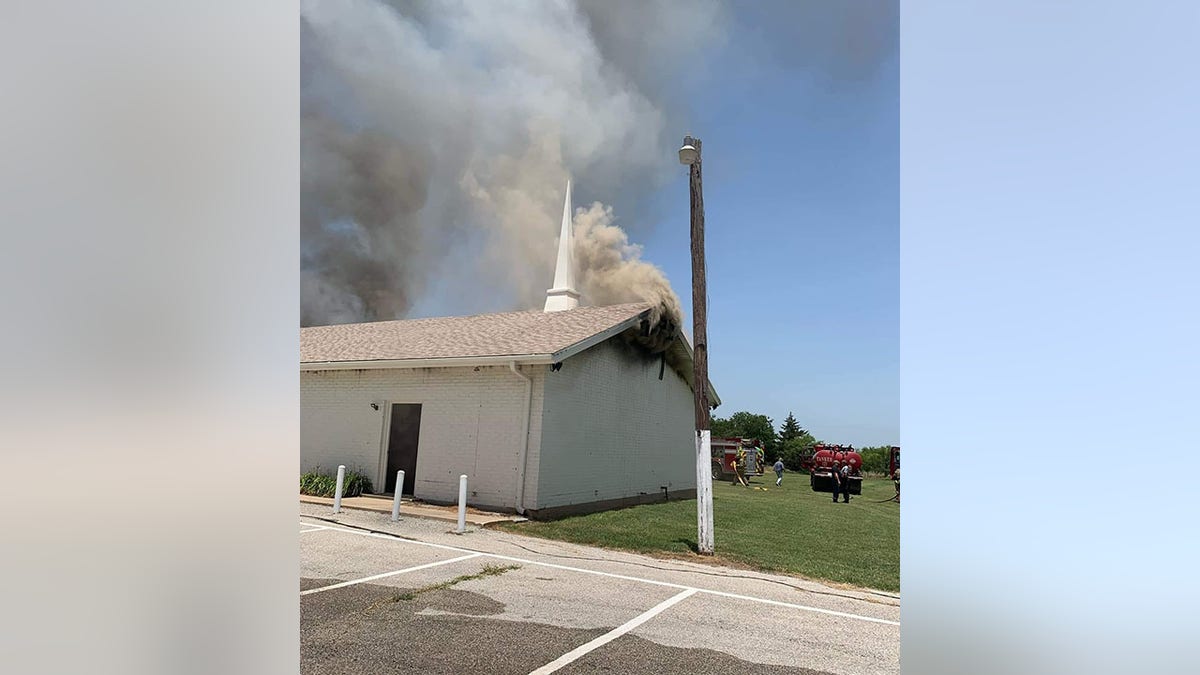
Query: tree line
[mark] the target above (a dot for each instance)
(791, 443)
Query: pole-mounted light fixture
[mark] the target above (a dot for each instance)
(688, 154)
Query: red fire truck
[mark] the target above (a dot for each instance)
(821, 466)
(724, 457)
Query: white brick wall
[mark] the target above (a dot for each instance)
(602, 427)
(470, 423)
(612, 429)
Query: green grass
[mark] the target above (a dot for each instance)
(787, 529)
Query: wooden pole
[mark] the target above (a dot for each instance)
(704, 504)
(699, 294)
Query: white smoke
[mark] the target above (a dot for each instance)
(612, 271)
(480, 111)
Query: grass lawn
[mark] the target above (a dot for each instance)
(781, 529)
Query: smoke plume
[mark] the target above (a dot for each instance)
(360, 196)
(612, 272)
(437, 138)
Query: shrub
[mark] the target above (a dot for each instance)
(319, 484)
(874, 459)
(795, 451)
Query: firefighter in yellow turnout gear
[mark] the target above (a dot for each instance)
(739, 466)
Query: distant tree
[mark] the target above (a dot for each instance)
(747, 425)
(721, 427)
(790, 429)
(875, 458)
(796, 449)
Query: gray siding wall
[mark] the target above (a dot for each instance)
(470, 423)
(612, 430)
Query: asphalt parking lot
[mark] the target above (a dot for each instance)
(377, 596)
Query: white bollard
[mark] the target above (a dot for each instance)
(462, 504)
(396, 500)
(337, 491)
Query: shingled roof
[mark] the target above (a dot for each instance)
(548, 335)
(529, 337)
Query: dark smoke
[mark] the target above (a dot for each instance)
(361, 193)
(437, 136)
(437, 139)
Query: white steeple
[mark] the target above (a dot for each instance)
(563, 295)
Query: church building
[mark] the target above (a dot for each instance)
(547, 412)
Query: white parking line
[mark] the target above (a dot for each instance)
(526, 561)
(613, 634)
(389, 574)
(313, 529)
(737, 596)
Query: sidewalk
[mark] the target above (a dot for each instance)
(410, 509)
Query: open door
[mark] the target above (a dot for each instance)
(403, 437)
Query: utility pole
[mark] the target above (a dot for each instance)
(690, 154)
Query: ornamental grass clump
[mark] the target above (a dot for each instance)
(317, 484)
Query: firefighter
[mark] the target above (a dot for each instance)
(846, 482)
(739, 466)
(837, 480)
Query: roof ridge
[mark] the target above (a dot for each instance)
(581, 308)
(490, 335)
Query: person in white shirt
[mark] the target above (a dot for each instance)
(845, 481)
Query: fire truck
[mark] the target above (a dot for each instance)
(821, 466)
(724, 457)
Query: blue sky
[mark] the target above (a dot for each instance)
(801, 193)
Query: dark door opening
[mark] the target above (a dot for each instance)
(402, 445)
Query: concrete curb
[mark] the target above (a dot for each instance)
(410, 510)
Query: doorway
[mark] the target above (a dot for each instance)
(403, 436)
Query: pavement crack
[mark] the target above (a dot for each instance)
(408, 596)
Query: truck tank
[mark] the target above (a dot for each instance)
(823, 460)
